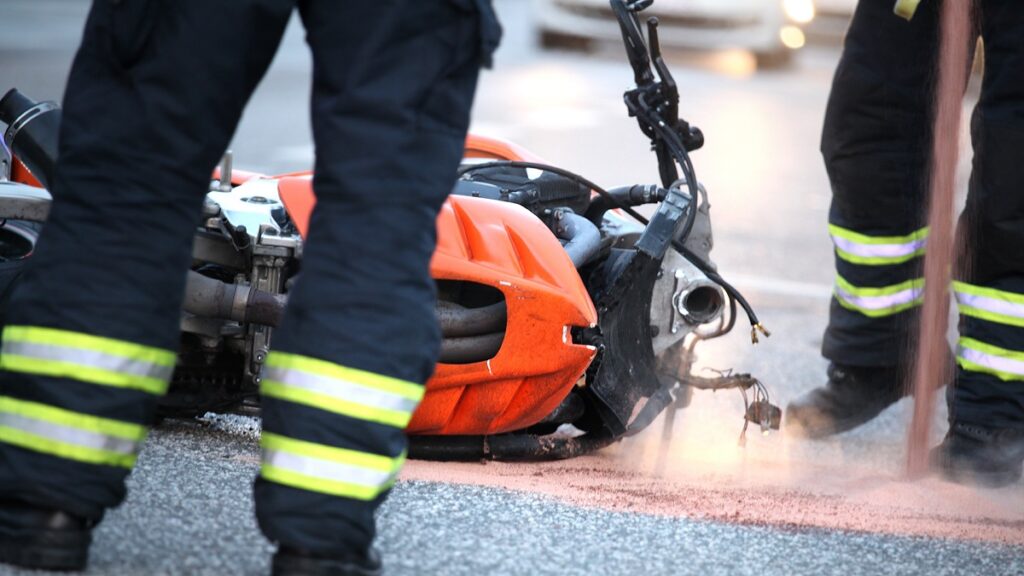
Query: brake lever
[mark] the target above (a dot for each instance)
(691, 136)
(636, 49)
(669, 90)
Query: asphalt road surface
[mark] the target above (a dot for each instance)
(190, 509)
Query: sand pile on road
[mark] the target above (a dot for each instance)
(854, 482)
(860, 502)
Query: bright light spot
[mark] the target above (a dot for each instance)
(738, 63)
(799, 11)
(792, 37)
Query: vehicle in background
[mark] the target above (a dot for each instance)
(832, 18)
(770, 29)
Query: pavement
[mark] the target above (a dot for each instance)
(189, 509)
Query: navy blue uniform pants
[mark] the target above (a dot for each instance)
(154, 96)
(876, 143)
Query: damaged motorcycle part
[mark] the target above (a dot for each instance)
(505, 447)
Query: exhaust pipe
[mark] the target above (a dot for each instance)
(700, 301)
(210, 298)
(32, 133)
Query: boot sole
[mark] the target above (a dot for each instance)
(45, 550)
(986, 479)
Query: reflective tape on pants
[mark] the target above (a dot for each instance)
(66, 434)
(990, 304)
(327, 469)
(339, 389)
(877, 250)
(86, 358)
(879, 302)
(976, 356)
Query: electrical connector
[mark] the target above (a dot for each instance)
(758, 328)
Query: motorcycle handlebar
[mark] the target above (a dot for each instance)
(32, 132)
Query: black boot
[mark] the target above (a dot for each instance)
(976, 454)
(42, 538)
(852, 396)
(294, 562)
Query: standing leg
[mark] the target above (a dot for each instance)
(392, 87)
(93, 327)
(876, 145)
(986, 438)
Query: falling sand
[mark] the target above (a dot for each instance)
(931, 365)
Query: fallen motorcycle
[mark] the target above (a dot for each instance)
(569, 319)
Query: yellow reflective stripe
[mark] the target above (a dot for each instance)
(878, 260)
(976, 356)
(77, 420)
(867, 250)
(975, 367)
(881, 301)
(906, 8)
(988, 292)
(879, 312)
(88, 374)
(281, 391)
(45, 445)
(865, 239)
(327, 469)
(342, 455)
(990, 304)
(992, 350)
(69, 339)
(321, 485)
(991, 316)
(330, 370)
(879, 291)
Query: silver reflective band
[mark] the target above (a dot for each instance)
(69, 435)
(994, 305)
(327, 469)
(343, 390)
(87, 358)
(1000, 364)
(881, 302)
(878, 250)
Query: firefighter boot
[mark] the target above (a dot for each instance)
(294, 562)
(41, 538)
(971, 453)
(851, 397)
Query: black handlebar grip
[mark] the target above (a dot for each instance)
(12, 105)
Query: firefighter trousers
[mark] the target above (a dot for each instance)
(876, 143)
(154, 95)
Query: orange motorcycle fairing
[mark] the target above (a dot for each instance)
(497, 149)
(19, 173)
(504, 246)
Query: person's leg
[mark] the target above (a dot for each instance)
(92, 330)
(392, 88)
(986, 406)
(876, 143)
